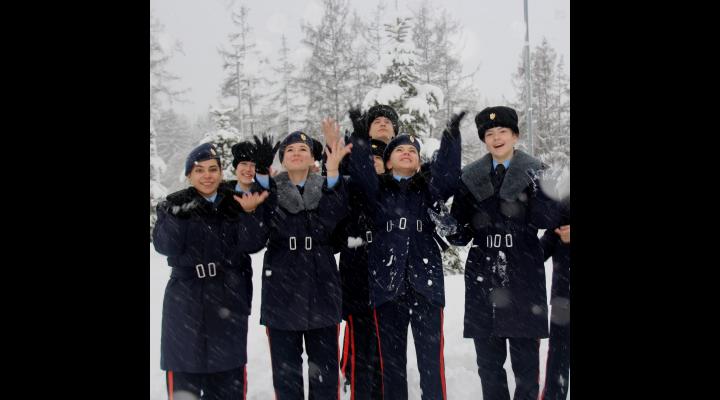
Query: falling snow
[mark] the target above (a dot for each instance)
(460, 367)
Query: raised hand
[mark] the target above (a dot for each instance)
(331, 130)
(250, 201)
(453, 127)
(359, 123)
(335, 154)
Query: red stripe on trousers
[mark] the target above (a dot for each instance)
(382, 372)
(337, 337)
(442, 355)
(170, 384)
(542, 394)
(345, 346)
(245, 385)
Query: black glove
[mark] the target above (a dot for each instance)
(452, 131)
(263, 153)
(359, 123)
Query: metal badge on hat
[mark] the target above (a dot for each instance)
(492, 115)
(302, 136)
(213, 152)
(412, 139)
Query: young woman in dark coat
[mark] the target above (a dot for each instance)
(301, 298)
(207, 236)
(406, 282)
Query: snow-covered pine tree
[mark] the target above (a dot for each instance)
(400, 86)
(243, 82)
(376, 38)
(157, 169)
(161, 88)
(175, 138)
(438, 63)
(224, 136)
(327, 73)
(551, 112)
(363, 76)
(286, 97)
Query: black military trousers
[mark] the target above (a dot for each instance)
(525, 359)
(392, 319)
(286, 348)
(360, 359)
(557, 376)
(225, 385)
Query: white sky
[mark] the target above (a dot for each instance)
(493, 35)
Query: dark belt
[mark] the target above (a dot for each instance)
(199, 271)
(298, 242)
(402, 224)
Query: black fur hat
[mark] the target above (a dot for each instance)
(492, 117)
(383, 110)
(242, 151)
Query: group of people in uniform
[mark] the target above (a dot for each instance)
(376, 204)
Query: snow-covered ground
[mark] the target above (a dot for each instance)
(460, 367)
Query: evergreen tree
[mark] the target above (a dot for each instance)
(162, 93)
(157, 168)
(243, 82)
(400, 88)
(551, 110)
(328, 72)
(224, 136)
(437, 63)
(286, 97)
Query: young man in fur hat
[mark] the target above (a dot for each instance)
(360, 361)
(500, 206)
(382, 123)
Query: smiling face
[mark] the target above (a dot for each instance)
(404, 160)
(298, 157)
(206, 176)
(245, 172)
(499, 142)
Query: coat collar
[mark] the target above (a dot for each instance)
(289, 196)
(416, 182)
(476, 176)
